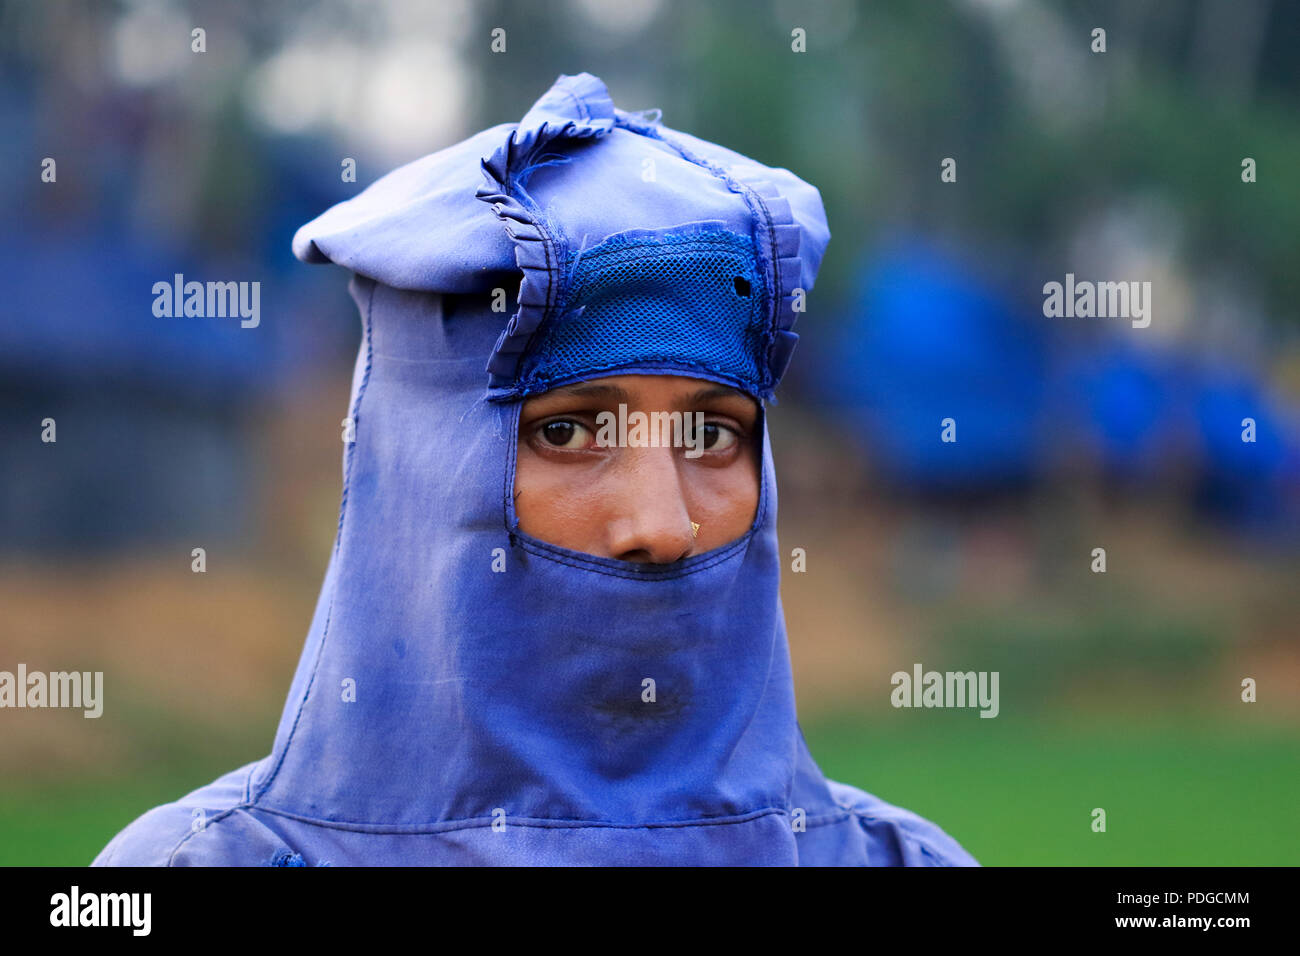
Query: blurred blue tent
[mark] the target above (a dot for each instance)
(150, 412)
(83, 315)
(146, 409)
(926, 341)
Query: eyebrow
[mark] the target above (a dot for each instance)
(618, 393)
(594, 391)
(714, 391)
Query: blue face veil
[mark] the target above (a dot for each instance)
(469, 694)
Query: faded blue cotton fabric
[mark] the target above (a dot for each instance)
(468, 694)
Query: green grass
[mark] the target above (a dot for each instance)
(68, 826)
(1022, 793)
(1012, 791)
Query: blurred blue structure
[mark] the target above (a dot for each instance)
(150, 413)
(1254, 484)
(1124, 406)
(926, 341)
(83, 315)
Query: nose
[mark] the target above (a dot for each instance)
(648, 521)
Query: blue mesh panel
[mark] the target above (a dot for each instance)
(695, 299)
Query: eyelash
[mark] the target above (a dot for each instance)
(572, 419)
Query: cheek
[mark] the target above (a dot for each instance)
(724, 500)
(555, 502)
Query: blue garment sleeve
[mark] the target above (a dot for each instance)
(205, 828)
(899, 837)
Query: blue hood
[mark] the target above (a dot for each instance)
(467, 693)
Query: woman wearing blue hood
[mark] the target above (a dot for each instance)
(550, 631)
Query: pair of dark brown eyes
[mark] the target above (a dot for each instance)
(562, 432)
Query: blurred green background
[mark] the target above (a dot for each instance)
(1119, 690)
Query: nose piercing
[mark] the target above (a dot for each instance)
(695, 530)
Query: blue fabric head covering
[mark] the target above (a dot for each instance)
(468, 693)
(639, 247)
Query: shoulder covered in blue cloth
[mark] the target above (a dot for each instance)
(899, 837)
(206, 827)
(216, 826)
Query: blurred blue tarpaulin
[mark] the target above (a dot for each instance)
(925, 342)
(928, 341)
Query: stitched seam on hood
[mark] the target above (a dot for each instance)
(338, 542)
(542, 823)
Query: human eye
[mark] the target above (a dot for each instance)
(564, 433)
(715, 436)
